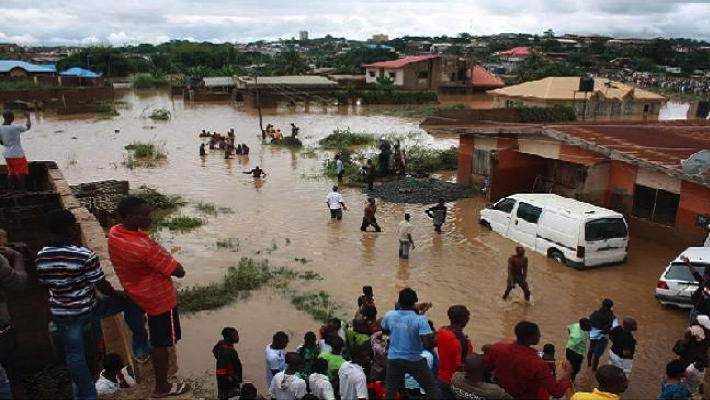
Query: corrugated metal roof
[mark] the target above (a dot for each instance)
(7, 65)
(566, 88)
(394, 64)
(218, 81)
(80, 72)
(517, 51)
(292, 80)
(482, 78)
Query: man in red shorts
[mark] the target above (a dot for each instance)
(14, 154)
(145, 270)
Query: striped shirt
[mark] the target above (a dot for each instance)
(144, 269)
(70, 273)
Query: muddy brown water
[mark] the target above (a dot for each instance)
(287, 211)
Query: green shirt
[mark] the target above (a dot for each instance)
(577, 341)
(334, 363)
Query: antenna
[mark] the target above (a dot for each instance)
(696, 164)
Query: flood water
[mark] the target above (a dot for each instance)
(286, 215)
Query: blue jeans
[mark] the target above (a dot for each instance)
(5, 392)
(419, 370)
(71, 330)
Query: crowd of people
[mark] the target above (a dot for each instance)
(682, 85)
(225, 143)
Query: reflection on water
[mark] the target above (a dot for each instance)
(284, 216)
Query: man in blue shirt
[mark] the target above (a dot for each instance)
(409, 332)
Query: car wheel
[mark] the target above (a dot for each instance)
(485, 224)
(557, 256)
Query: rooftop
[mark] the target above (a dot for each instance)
(570, 205)
(290, 80)
(517, 51)
(482, 78)
(218, 81)
(80, 72)
(395, 64)
(7, 65)
(566, 88)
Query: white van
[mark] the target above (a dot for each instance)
(570, 231)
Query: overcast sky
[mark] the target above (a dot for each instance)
(72, 22)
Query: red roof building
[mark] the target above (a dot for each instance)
(417, 72)
(517, 52)
(633, 168)
(482, 79)
(400, 63)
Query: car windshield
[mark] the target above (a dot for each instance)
(605, 228)
(680, 272)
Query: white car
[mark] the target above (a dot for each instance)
(578, 234)
(677, 284)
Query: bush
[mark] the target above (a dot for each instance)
(341, 138)
(399, 96)
(557, 113)
(21, 85)
(424, 161)
(160, 114)
(148, 81)
(182, 223)
(144, 155)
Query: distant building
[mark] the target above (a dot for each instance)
(303, 36)
(608, 99)
(9, 48)
(416, 72)
(19, 69)
(511, 58)
(379, 38)
(439, 48)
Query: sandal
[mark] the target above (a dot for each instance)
(177, 389)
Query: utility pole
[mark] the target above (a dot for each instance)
(258, 105)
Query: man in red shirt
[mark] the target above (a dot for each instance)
(520, 371)
(145, 270)
(454, 346)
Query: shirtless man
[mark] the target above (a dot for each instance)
(518, 273)
(256, 172)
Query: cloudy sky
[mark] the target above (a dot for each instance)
(72, 22)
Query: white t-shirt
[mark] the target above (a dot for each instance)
(404, 229)
(104, 387)
(339, 166)
(321, 387)
(10, 137)
(334, 199)
(287, 387)
(275, 360)
(353, 382)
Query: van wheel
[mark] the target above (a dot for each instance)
(557, 256)
(485, 224)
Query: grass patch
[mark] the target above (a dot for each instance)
(108, 109)
(182, 223)
(309, 152)
(142, 154)
(345, 138)
(248, 275)
(207, 208)
(310, 276)
(160, 114)
(231, 243)
(416, 112)
(318, 305)
(21, 85)
(423, 161)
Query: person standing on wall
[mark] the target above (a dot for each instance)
(17, 167)
(145, 269)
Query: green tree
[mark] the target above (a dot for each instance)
(455, 50)
(290, 62)
(109, 61)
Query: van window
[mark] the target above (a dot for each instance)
(605, 228)
(505, 205)
(529, 212)
(680, 272)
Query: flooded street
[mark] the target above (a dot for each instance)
(285, 217)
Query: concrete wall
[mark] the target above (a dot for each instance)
(71, 96)
(513, 172)
(411, 72)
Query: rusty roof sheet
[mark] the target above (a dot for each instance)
(659, 146)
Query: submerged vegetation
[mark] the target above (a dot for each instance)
(250, 274)
(149, 81)
(144, 155)
(181, 223)
(345, 138)
(416, 112)
(160, 114)
(162, 205)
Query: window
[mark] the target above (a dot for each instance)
(423, 75)
(372, 74)
(505, 205)
(393, 75)
(680, 272)
(657, 205)
(529, 212)
(605, 228)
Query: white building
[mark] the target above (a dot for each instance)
(303, 36)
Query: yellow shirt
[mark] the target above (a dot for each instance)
(595, 395)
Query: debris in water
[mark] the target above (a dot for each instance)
(421, 191)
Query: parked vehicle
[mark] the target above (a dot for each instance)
(578, 234)
(677, 284)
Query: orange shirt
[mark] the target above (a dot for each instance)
(144, 269)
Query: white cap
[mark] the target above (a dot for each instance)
(704, 320)
(383, 138)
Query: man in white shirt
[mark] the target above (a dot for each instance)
(14, 154)
(318, 381)
(404, 231)
(276, 356)
(339, 167)
(287, 385)
(335, 204)
(353, 382)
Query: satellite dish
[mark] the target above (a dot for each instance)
(696, 164)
